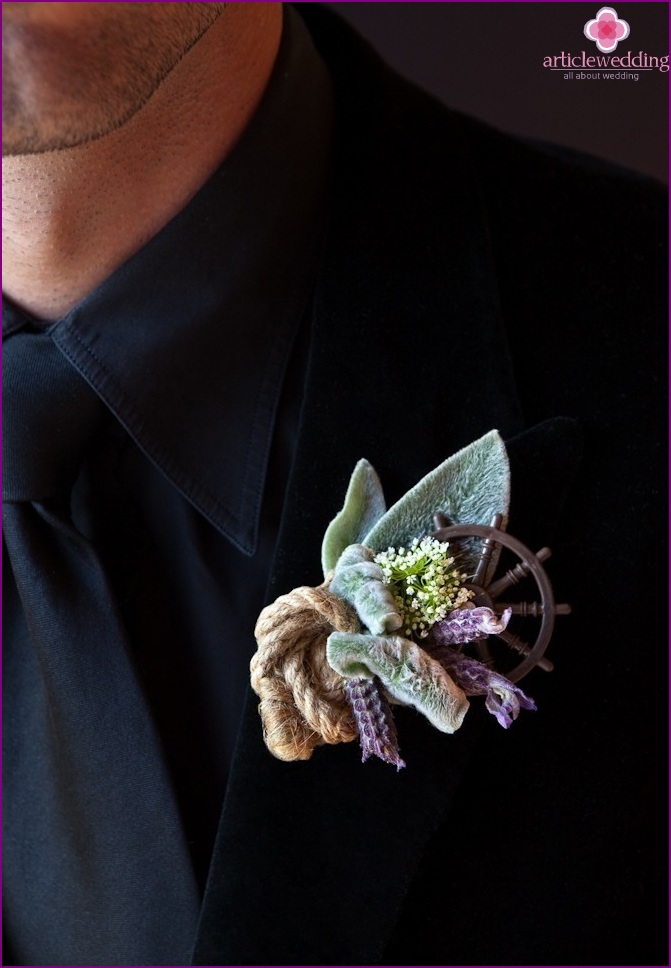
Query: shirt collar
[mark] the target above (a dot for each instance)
(188, 342)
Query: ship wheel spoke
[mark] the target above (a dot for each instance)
(489, 546)
(518, 645)
(515, 575)
(529, 609)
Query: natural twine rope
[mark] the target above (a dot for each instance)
(303, 702)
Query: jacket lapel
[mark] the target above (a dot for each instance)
(408, 363)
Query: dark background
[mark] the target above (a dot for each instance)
(486, 59)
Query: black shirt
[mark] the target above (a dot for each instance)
(196, 347)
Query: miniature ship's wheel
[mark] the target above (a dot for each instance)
(494, 585)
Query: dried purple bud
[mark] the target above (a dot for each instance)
(505, 702)
(374, 720)
(468, 624)
(504, 699)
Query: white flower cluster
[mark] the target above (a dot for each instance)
(425, 585)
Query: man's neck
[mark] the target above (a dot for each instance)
(71, 217)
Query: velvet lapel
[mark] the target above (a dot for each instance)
(408, 363)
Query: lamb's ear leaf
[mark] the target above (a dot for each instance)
(468, 488)
(406, 671)
(364, 505)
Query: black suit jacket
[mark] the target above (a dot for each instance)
(474, 280)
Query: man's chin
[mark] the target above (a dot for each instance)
(14, 145)
(25, 139)
(36, 132)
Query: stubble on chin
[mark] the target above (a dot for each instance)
(68, 84)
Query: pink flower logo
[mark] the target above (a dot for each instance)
(607, 30)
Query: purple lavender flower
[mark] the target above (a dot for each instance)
(504, 699)
(374, 720)
(505, 702)
(468, 624)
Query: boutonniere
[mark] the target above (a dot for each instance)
(422, 605)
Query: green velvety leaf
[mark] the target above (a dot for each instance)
(364, 505)
(360, 582)
(468, 488)
(408, 674)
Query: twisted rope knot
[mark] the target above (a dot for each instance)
(303, 700)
